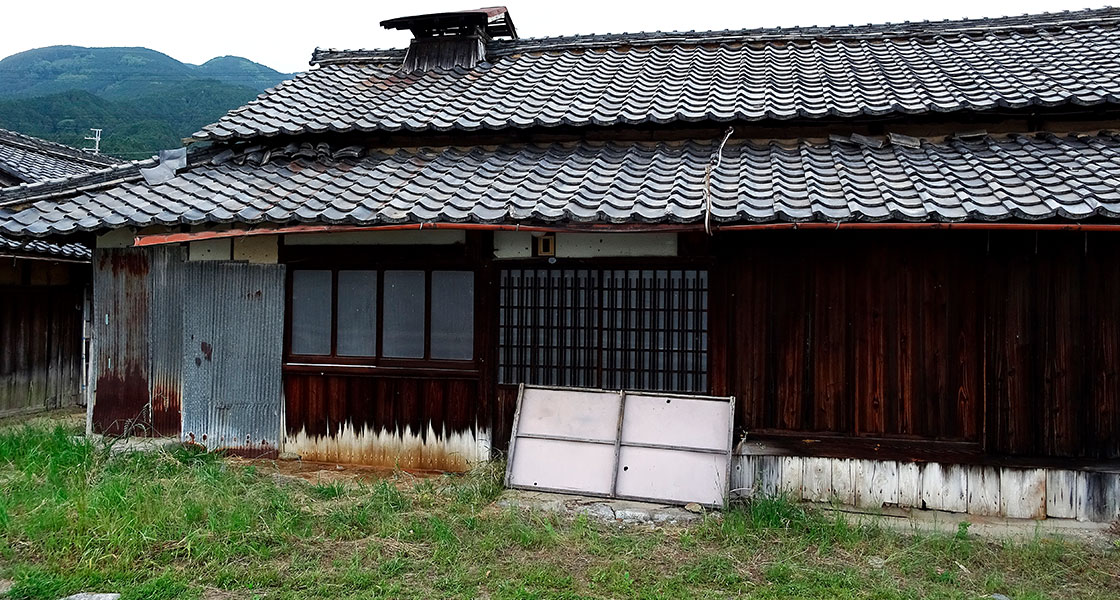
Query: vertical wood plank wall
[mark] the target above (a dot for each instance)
(40, 336)
(1005, 341)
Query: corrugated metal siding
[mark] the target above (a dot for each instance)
(233, 327)
(120, 367)
(165, 323)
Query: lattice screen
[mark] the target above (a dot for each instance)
(638, 329)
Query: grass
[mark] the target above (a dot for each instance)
(184, 524)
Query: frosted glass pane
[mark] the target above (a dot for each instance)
(453, 315)
(311, 312)
(404, 314)
(357, 313)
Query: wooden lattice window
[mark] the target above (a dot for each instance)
(638, 329)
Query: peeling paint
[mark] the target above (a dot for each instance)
(428, 450)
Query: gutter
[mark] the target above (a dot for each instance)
(158, 239)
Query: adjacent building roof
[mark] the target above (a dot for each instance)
(29, 159)
(40, 248)
(974, 65)
(1027, 177)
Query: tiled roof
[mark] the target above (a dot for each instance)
(30, 159)
(41, 164)
(43, 248)
(1052, 59)
(1017, 177)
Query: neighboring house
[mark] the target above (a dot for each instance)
(897, 246)
(42, 288)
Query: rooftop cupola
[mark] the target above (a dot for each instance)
(452, 39)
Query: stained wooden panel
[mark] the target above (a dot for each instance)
(1009, 341)
(847, 334)
(40, 347)
(322, 405)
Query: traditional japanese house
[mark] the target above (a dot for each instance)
(897, 246)
(43, 287)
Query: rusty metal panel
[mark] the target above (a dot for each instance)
(233, 325)
(641, 446)
(120, 368)
(165, 324)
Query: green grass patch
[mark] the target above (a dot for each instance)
(75, 516)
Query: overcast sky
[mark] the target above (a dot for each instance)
(282, 34)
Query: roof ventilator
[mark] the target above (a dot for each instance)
(170, 163)
(452, 39)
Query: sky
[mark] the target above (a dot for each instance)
(282, 33)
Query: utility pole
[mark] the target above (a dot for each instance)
(96, 139)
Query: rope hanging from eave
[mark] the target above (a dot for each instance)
(708, 181)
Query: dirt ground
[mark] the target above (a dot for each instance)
(326, 473)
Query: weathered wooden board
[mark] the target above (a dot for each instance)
(745, 477)
(770, 475)
(1098, 496)
(909, 485)
(1061, 494)
(876, 483)
(1023, 493)
(843, 482)
(983, 490)
(817, 479)
(944, 487)
(792, 468)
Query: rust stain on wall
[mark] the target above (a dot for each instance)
(122, 403)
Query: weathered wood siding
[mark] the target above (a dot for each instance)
(1001, 343)
(40, 347)
(1020, 493)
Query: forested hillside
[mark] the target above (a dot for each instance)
(142, 99)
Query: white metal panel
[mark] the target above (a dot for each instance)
(556, 465)
(671, 420)
(641, 446)
(672, 475)
(576, 414)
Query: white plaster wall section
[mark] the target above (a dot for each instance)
(419, 237)
(216, 249)
(518, 244)
(257, 249)
(117, 238)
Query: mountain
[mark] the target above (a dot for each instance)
(143, 100)
(119, 73)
